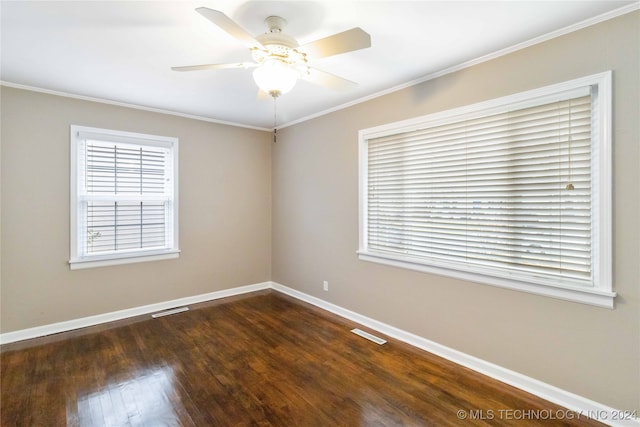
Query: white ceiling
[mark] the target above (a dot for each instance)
(122, 51)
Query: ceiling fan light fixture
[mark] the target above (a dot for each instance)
(278, 58)
(275, 77)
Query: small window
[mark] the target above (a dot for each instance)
(513, 192)
(124, 197)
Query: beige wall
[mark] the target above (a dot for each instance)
(591, 351)
(225, 212)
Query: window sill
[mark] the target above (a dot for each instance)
(107, 260)
(590, 296)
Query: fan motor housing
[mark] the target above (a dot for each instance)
(278, 45)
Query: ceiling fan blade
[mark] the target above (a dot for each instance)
(329, 80)
(346, 41)
(229, 26)
(214, 66)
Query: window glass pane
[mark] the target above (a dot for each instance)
(115, 226)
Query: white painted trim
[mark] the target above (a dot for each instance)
(127, 105)
(580, 294)
(529, 98)
(120, 259)
(583, 406)
(467, 64)
(69, 325)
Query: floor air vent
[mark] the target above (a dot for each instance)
(168, 312)
(368, 336)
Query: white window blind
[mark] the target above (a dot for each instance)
(504, 192)
(125, 197)
(125, 204)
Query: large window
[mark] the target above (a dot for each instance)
(513, 192)
(123, 197)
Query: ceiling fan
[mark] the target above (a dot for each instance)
(278, 59)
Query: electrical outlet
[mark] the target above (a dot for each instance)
(325, 285)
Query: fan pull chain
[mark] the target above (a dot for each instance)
(275, 115)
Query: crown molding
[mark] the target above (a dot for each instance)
(485, 58)
(502, 52)
(127, 105)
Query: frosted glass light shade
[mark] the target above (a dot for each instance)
(275, 77)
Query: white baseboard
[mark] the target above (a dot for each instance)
(586, 408)
(54, 328)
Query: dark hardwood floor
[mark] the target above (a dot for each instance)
(262, 359)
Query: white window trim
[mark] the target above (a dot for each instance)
(102, 260)
(602, 294)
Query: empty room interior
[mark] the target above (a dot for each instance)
(317, 213)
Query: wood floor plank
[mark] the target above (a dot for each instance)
(262, 359)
